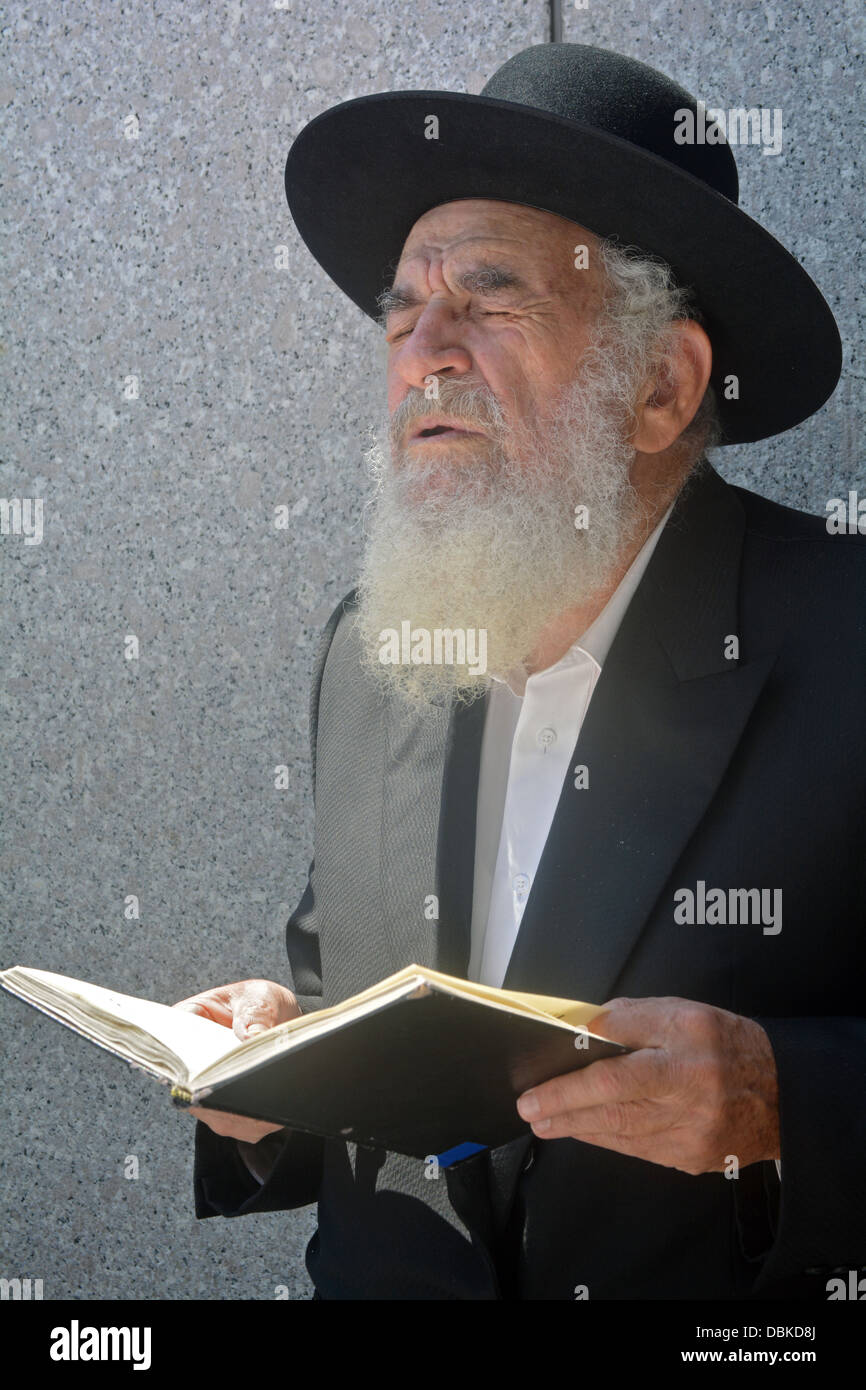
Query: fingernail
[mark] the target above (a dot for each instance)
(528, 1105)
(255, 1028)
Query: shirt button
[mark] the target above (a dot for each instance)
(545, 738)
(520, 884)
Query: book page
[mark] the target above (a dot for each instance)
(569, 1010)
(124, 1022)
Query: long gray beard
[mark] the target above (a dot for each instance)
(481, 538)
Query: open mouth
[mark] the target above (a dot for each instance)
(440, 431)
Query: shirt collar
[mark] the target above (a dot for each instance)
(597, 640)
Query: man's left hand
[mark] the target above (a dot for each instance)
(700, 1087)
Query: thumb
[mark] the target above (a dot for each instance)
(604, 1023)
(252, 1015)
(636, 1023)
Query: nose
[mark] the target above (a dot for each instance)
(431, 349)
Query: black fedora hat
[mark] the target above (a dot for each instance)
(590, 135)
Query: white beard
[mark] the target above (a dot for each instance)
(481, 535)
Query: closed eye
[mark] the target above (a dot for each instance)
(485, 313)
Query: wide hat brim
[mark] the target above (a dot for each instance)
(359, 176)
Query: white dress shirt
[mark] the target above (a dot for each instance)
(526, 753)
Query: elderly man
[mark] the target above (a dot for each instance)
(650, 781)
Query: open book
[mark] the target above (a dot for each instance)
(420, 1063)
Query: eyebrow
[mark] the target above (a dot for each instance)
(485, 279)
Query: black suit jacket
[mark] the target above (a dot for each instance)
(743, 773)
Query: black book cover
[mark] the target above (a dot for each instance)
(418, 1075)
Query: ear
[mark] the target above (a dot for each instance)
(668, 404)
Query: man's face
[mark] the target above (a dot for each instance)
(492, 297)
(475, 529)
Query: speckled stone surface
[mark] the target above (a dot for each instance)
(154, 258)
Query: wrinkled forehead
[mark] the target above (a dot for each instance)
(528, 234)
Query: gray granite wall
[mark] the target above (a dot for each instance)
(165, 388)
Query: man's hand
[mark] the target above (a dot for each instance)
(700, 1087)
(248, 1007)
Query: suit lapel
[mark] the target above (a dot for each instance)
(656, 751)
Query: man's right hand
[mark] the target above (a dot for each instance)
(247, 1007)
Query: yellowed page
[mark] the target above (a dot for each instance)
(569, 1010)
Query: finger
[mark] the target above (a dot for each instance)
(219, 1121)
(257, 1129)
(231, 1126)
(610, 1080)
(255, 1010)
(210, 1005)
(631, 1120)
(635, 1022)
